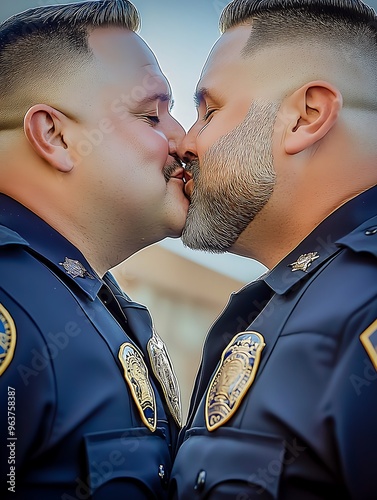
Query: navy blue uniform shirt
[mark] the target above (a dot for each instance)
(288, 409)
(71, 426)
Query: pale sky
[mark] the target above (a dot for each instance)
(181, 33)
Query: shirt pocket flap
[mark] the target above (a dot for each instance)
(130, 463)
(228, 462)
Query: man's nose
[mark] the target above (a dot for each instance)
(176, 136)
(187, 148)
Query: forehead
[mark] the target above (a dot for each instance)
(123, 58)
(114, 45)
(225, 63)
(268, 73)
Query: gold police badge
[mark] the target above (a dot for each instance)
(164, 372)
(369, 340)
(136, 375)
(7, 339)
(237, 370)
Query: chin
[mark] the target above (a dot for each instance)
(177, 223)
(175, 233)
(175, 230)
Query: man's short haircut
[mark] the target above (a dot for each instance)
(348, 28)
(275, 21)
(352, 11)
(45, 43)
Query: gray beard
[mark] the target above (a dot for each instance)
(233, 183)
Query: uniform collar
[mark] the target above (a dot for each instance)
(20, 226)
(355, 217)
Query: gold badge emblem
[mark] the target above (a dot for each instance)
(7, 339)
(238, 366)
(369, 340)
(304, 261)
(164, 372)
(75, 269)
(136, 375)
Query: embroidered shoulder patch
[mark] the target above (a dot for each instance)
(7, 339)
(369, 340)
(238, 366)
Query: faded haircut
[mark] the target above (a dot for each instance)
(241, 11)
(347, 27)
(284, 20)
(47, 43)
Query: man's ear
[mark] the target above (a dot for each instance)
(309, 113)
(44, 129)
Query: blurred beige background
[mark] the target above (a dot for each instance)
(184, 298)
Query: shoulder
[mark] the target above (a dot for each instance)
(362, 239)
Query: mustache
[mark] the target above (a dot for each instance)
(170, 169)
(193, 168)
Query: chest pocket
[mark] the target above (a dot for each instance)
(131, 463)
(228, 463)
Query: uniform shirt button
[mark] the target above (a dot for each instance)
(371, 231)
(162, 475)
(200, 480)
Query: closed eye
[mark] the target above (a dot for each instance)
(154, 119)
(208, 114)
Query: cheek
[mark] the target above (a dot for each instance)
(130, 164)
(223, 122)
(142, 144)
(206, 139)
(152, 144)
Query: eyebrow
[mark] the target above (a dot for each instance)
(200, 95)
(163, 97)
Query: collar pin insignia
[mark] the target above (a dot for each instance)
(75, 269)
(304, 261)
